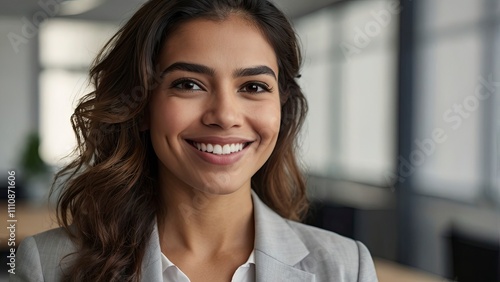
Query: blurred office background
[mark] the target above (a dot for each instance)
(401, 144)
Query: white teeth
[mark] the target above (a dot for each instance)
(219, 149)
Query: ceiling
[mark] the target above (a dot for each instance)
(119, 10)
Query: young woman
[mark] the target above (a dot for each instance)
(187, 168)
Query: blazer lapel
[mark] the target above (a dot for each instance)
(277, 248)
(271, 269)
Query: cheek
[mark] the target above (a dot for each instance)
(267, 121)
(166, 117)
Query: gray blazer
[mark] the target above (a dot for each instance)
(284, 251)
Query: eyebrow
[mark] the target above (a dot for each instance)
(252, 71)
(181, 66)
(201, 69)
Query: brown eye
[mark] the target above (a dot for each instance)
(186, 85)
(255, 88)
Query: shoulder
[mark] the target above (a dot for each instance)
(53, 244)
(56, 239)
(314, 237)
(43, 257)
(324, 254)
(333, 255)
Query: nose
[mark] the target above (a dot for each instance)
(223, 110)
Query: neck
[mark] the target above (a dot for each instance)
(206, 224)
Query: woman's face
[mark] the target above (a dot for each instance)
(215, 118)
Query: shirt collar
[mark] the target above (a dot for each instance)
(166, 263)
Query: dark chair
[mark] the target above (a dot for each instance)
(473, 259)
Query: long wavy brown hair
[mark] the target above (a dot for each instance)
(108, 200)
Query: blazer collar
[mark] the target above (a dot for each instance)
(277, 249)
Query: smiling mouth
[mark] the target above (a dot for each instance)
(219, 149)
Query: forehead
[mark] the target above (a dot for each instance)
(234, 41)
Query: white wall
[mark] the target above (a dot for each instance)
(18, 92)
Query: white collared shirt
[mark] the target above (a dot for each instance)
(244, 273)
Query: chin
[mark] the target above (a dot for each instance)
(219, 183)
(218, 190)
